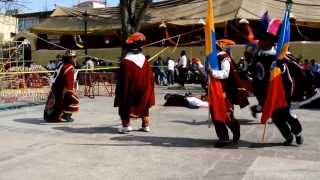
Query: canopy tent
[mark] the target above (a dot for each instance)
(70, 21)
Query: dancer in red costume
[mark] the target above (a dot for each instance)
(135, 87)
(63, 101)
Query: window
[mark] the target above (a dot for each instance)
(27, 23)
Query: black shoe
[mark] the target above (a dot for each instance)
(222, 143)
(236, 139)
(67, 118)
(254, 111)
(299, 140)
(288, 141)
(311, 94)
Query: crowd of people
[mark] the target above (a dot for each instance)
(312, 68)
(169, 71)
(54, 64)
(88, 63)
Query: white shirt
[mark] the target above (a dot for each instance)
(90, 64)
(171, 65)
(225, 70)
(270, 52)
(53, 66)
(183, 61)
(49, 66)
(197, 102)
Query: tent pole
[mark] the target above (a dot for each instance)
(226, 29)
(86, 33)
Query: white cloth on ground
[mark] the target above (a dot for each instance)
(197, 102)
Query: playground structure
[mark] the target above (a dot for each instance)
(13, 53)
(18, 82)
(97, 83)
(34, 87)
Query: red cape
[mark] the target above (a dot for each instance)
(135, 90)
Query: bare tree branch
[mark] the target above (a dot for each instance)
(9, 5)
(132, 14)
(140, 15)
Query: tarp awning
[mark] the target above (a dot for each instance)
(180, 12)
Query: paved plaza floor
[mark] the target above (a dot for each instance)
(180, 146)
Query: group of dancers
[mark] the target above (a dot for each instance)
(135, 90)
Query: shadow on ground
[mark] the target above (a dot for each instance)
(177, 142)
(37, 121)
(89, 130)
(245, 122)
(249, 122)
(193, 122)
(188, 142)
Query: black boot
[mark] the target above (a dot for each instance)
(299, 140)
(67, 117)
(234, 126)
(255, 110)
(288, 141)
(236, 138)
(222, 143)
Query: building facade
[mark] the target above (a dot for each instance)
(27, 20)
(8, 27)
(92, 4)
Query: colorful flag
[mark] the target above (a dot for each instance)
(276, 97)
(265, 19)
(216, 94)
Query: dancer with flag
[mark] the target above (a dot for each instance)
(221, 109)
(281, 88)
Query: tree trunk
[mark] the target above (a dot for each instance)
(131, 19)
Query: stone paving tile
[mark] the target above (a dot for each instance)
(180, 146)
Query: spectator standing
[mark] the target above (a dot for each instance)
(182, 66)
(163, 74)
(157, 70)
(306, 65)
(58, 61)
(170, 72)
(315, 69)
(89, 64)
(49, 67)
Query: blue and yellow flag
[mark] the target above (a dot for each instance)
(284, 37)
(276, 97)
(210, 39)
(217, 102)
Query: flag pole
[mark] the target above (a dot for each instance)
(288, 7)
(264, 132)
(209, 113)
